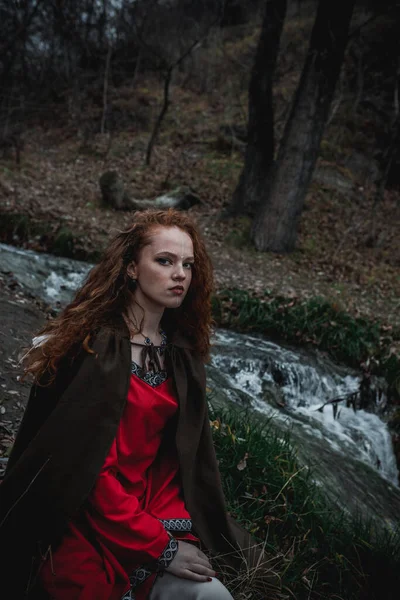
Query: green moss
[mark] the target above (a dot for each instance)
(64, 243)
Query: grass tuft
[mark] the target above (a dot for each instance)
(314, 548)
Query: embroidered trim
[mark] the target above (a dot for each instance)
(140, 575)
(152, 378)
(177, 524)
(168, 555)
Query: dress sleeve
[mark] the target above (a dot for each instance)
(133, 536)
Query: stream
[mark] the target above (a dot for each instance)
(349, 451)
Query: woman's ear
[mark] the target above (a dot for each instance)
(131, 270)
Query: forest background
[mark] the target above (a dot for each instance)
(278, 119)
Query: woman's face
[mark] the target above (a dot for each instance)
(164, 269)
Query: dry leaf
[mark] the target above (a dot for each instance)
(242, 464)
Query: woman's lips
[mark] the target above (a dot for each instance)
(177, 290)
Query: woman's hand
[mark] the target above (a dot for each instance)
(191, 563)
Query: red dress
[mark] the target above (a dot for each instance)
(135, 511)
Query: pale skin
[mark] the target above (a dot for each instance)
(163, 273)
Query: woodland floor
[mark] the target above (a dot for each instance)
(57, 183)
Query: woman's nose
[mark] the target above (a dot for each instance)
(179, 272)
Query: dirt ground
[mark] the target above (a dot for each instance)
(20, 317)
(57, 185)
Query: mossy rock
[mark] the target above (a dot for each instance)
(64, 243)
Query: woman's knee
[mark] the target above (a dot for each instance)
(213, 590)
(170, 587)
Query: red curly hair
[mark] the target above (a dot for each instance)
(105, 294)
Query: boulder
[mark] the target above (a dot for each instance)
(115, 196)
(182, 198)
(113, 192)
(331, 177)
(364, 168)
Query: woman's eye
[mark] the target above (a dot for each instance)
(164, 261)
(188, 265)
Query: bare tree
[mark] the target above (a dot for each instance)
(18, 17)
(167, 65)
(276, 224)
(168, 71)
(388, 157)
(105, 88)
(260, 132)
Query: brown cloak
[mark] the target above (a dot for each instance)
(65, 435)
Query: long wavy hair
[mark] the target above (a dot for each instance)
(105, 295)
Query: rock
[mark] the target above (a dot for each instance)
(357, 170)
(115, 196)
(221, 395)
(182, 198)
(113, 192)
(21, 318)
(362, 167)
(272, 395)
(330, 177)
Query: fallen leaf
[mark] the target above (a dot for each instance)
(242, 464)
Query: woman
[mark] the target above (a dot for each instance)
(112, 487)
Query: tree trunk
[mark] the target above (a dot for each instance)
(163, 112)
(275, 227)
(388, 157)
(260, 133)
(105, 88)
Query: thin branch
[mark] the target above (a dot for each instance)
(22, 27)
(335, 401)
(188, 51)
(160, 117)
(105, 87)
(167, 81)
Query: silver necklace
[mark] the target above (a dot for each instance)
(161, 348)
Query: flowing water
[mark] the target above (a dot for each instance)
(51, 278)
(293, 384)
(350, 451)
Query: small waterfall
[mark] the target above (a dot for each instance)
(294, 384)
